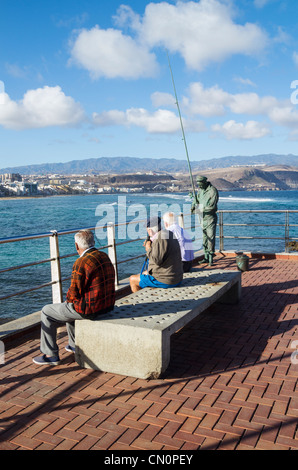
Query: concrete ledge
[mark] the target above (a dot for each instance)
(20, 327)
(278, 256)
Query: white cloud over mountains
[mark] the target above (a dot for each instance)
(208, 103)
(201, 32)
(49, 106)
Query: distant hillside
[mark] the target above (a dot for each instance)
(237, 178)
(129, 165)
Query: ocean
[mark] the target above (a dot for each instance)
(31, 216)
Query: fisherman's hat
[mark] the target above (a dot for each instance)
(201, 179)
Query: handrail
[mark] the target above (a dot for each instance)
(111, 246)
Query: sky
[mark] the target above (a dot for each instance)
(91, 78)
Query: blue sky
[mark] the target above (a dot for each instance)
(86, 79)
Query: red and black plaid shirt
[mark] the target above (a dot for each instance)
(92, 288)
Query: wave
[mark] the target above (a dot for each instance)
(166, 195)
(245, 199)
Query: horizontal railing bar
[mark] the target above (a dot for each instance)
(129, 241)
(35, 263)
(130, 259)
(28, 290)
(253, 238)
(24, 238)
(253, 225)
(279, 211)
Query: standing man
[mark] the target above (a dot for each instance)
(91, 293)
(205, 205)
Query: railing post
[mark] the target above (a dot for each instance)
(181, 220)
(287, 232)
(221, 234)
(57, 295)
(112, 249)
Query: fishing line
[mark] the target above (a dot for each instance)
(182, 128)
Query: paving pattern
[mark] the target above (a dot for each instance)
(231, 383)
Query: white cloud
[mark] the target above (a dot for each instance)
(202, 32)
(284, 116)
(214, 101)
(244, 81)
(161, 121)
(237, 130)
(205, 102)
(43, 107)
(251, 103)
(163, 99)
(109, 53)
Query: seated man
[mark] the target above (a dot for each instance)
(185, 242)
(164, 259)
(91, 293)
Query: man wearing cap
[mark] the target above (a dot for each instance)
(205, 205)
(164, 259)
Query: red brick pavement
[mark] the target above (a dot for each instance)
(231, 383)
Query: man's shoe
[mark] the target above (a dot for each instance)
(47, 361)
(204, 261)
(70, 348)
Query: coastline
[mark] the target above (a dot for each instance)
(40, 196)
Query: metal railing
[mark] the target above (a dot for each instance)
(285, 227)
(111, 246)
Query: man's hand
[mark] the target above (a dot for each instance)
(147, 245)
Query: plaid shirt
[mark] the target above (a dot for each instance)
(92, 288)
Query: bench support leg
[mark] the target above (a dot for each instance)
(122, 349)
(232, 296)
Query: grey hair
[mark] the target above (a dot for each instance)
(169, 218)
(84, 239)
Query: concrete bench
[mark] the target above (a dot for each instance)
(134, 339)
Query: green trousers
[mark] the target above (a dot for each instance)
(209, 232)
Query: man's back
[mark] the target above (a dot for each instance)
(92, 289)
(165, 262)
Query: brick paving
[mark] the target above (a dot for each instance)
(231, 383)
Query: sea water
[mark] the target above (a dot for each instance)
(30, 216)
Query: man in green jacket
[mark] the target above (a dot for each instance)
(205, 205)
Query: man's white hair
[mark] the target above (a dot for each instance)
(169, 218)
(84, 239)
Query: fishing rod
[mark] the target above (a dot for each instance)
(182, 128)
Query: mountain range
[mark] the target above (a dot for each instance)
(129, 165)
